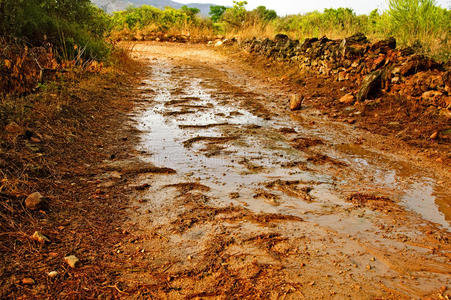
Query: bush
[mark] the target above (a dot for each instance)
(64, 23)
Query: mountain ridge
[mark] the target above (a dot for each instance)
(118, 5)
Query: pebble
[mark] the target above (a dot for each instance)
(28, 281)
(52, 274)
(347, 99)
(72, 261)
(37, 236)
(34, 201)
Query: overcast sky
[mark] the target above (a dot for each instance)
(284, 7)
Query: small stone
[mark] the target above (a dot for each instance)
(34, 201)
(347, 99)
(37, 236)
(28, 281)
(395, 80)
(107, 184)
(35, 140)
(115, 175)
(373, 259)
(311, 283)
(368, 267)
(351, 121)
(72, 261)
(434, 135)
(295, 102)
(52, 274)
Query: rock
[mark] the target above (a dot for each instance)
(218, 44)
(378, 62)
(295, 102)
(431, 97)
(52, 274)
(281, 37)
(384, 45)
(358, 38)
(37, 236)
(395, 80)
(107, 184)
(371, 83)
(115, 175)
(72, 261)
(396, 71)
(418, 63)
(347, 99)
(434, 135)
(28, 281)
(34, 201)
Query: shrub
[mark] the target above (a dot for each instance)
(62, 23)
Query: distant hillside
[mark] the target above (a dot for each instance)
(116, 5)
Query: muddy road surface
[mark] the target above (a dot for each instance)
(237, 197)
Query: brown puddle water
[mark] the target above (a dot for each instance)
(198, 130)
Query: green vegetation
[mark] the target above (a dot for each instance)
(411, 22)
(138, 23)
(73, 25)
(67, 24)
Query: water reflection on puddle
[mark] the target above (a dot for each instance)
(172, 107)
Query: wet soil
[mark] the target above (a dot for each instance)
(244, 199)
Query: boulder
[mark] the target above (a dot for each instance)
(370, 84)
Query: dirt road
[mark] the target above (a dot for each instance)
(236, 197)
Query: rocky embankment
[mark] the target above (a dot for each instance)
(375, 67)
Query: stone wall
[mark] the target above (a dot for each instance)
(377, 67)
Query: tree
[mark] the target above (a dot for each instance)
(216, 12)
(190, 11)
(265, 14)
(236, 15)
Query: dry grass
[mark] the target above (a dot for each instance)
(56, 127)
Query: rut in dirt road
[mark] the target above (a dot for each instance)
(270, 204)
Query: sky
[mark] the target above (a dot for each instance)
(284, 7)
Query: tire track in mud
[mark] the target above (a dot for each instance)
(262, 206)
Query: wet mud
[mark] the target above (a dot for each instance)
(267, 203)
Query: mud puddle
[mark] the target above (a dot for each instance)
(233, 151)
(258, 193)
